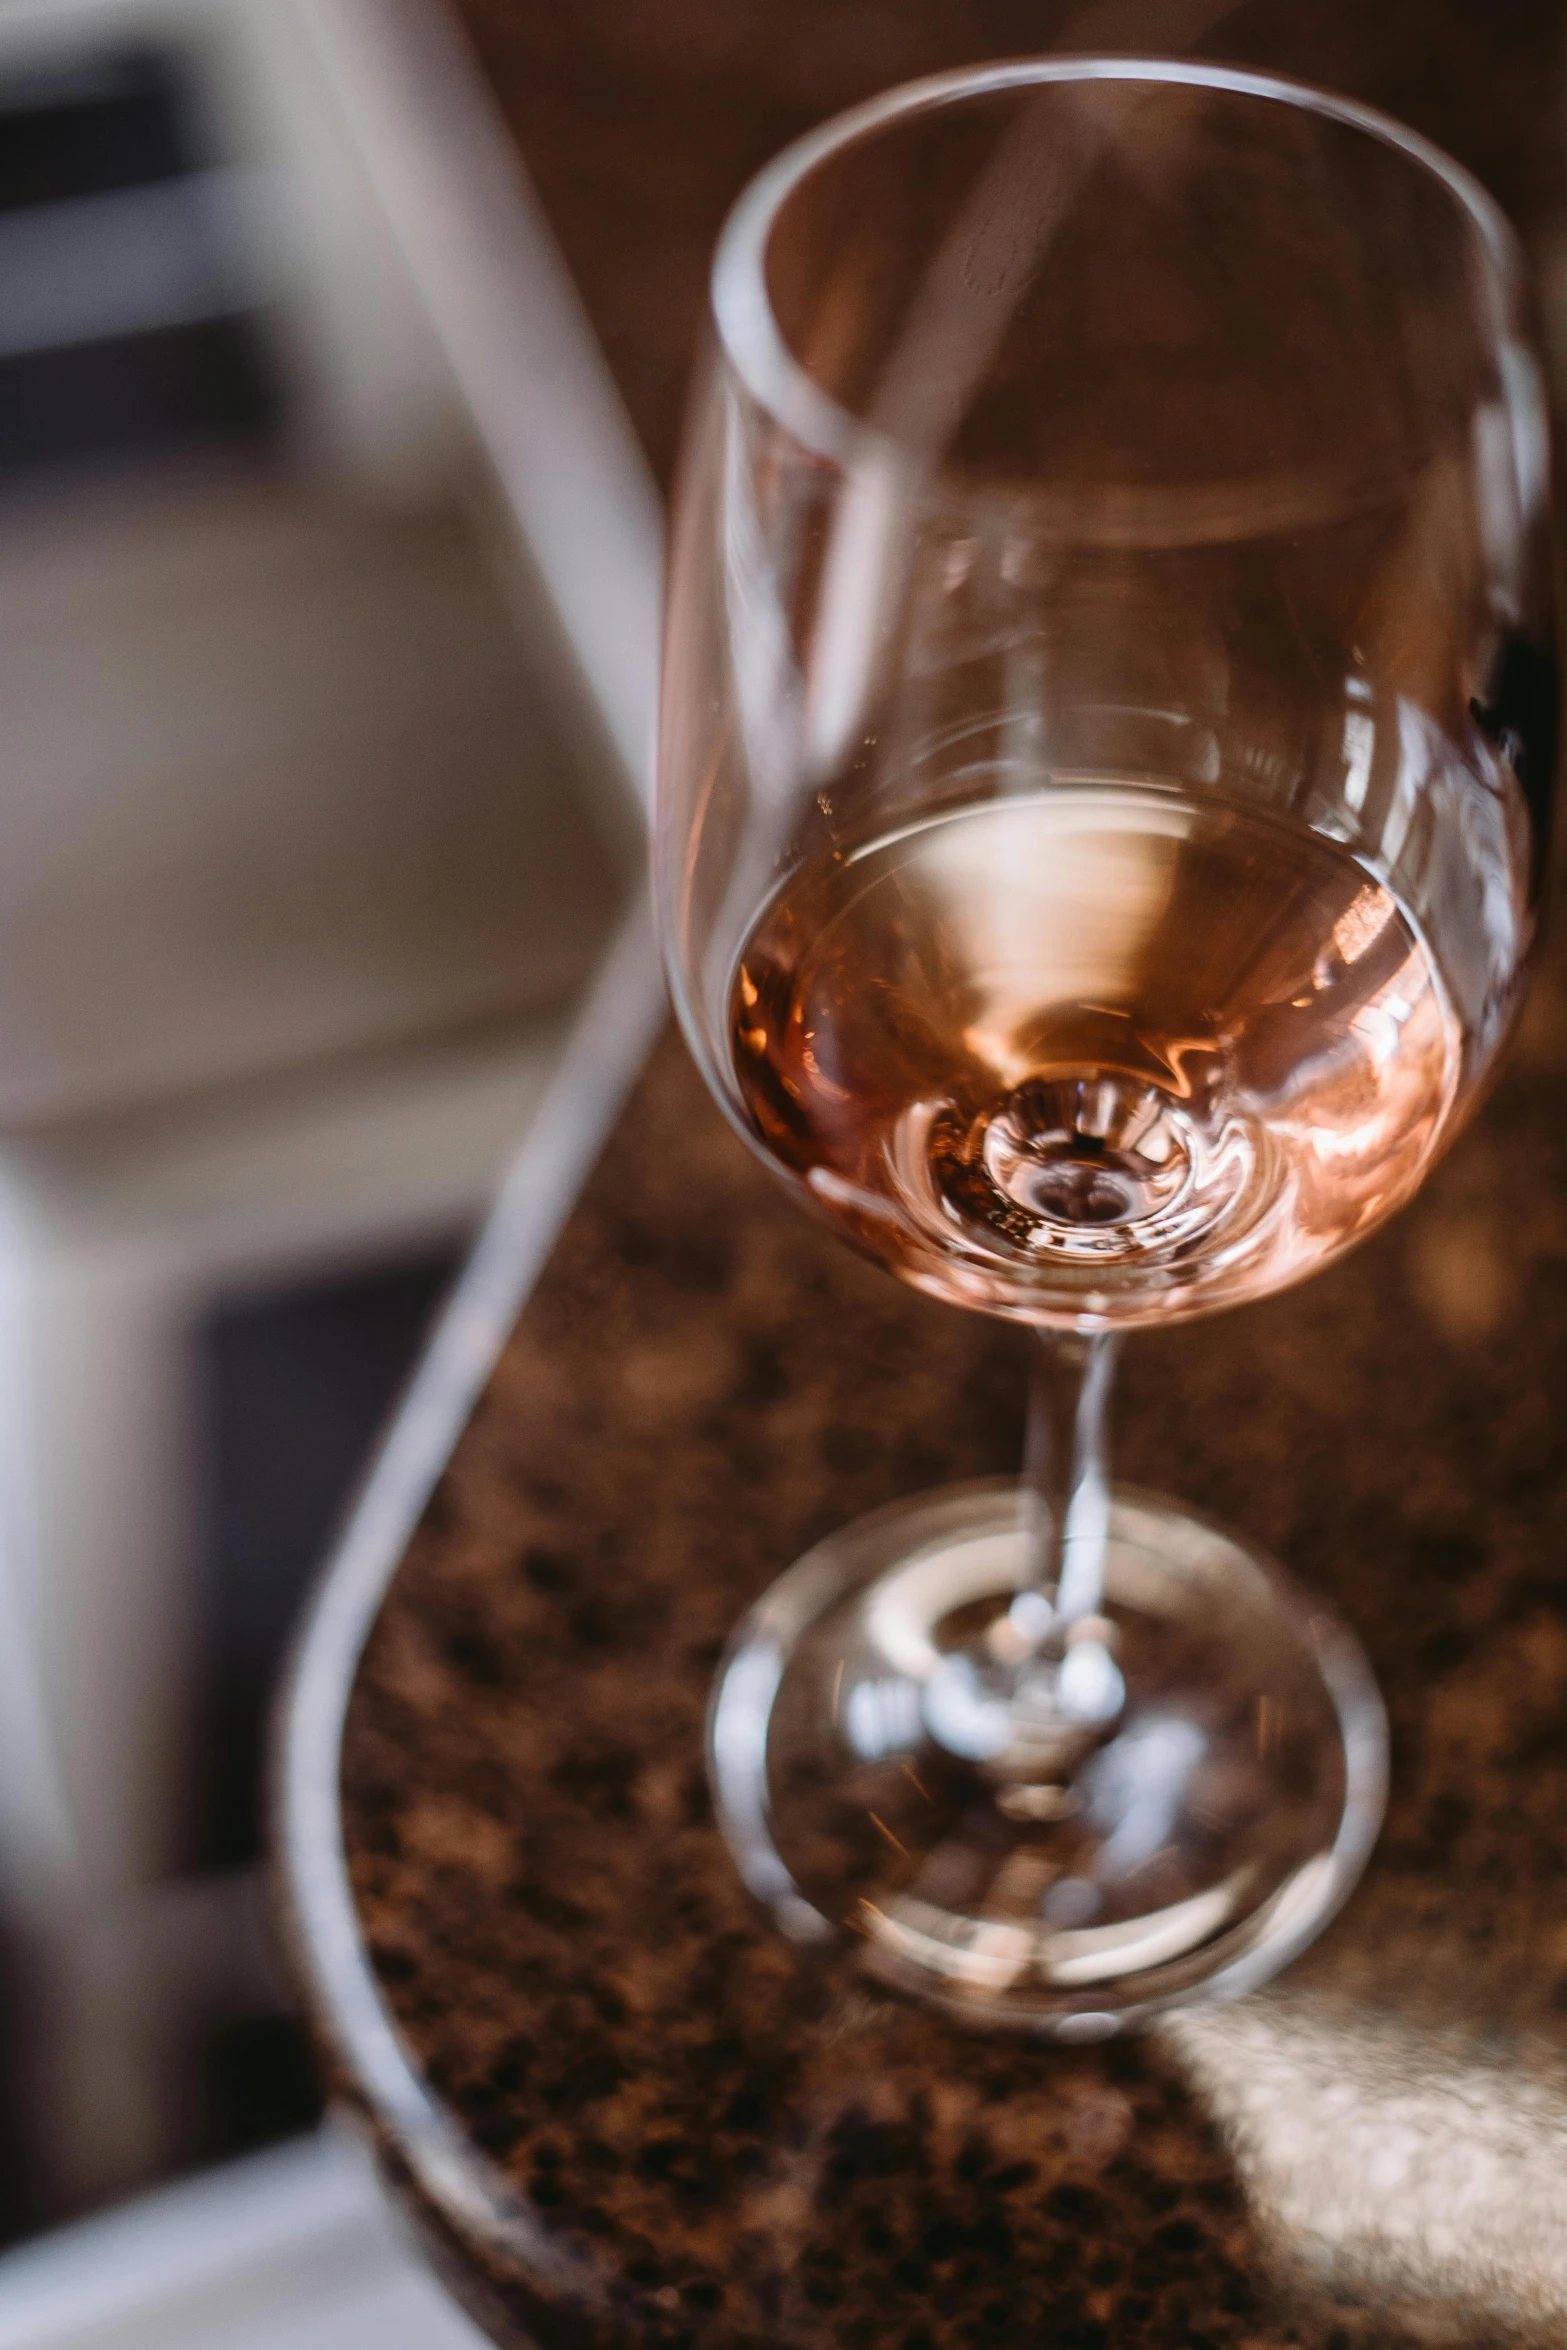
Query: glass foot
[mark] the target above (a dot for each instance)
(1052, 1829)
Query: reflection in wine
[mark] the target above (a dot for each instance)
(1097, 1051)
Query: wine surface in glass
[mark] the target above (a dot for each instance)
(1095, 1055)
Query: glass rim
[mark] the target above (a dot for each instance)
(742, 311)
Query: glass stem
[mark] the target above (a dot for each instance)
(1066, 1479)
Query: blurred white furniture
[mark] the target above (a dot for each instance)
(292, 2250)
(277, 994)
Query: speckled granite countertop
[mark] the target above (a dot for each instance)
(700, 2138)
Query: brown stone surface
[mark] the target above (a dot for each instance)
(728, 2145)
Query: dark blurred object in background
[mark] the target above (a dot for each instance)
(297, 1385)
(123, 311)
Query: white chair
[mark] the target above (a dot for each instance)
(290, 2250)
(276, 993)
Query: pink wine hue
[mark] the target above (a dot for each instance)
(1095, 1056)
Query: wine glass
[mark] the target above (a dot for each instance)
(1106, 748)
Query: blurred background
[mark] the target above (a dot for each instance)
(314, 826)
(328, 579)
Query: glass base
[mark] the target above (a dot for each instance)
(892, 1762)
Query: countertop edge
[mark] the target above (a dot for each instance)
(610, 1040)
